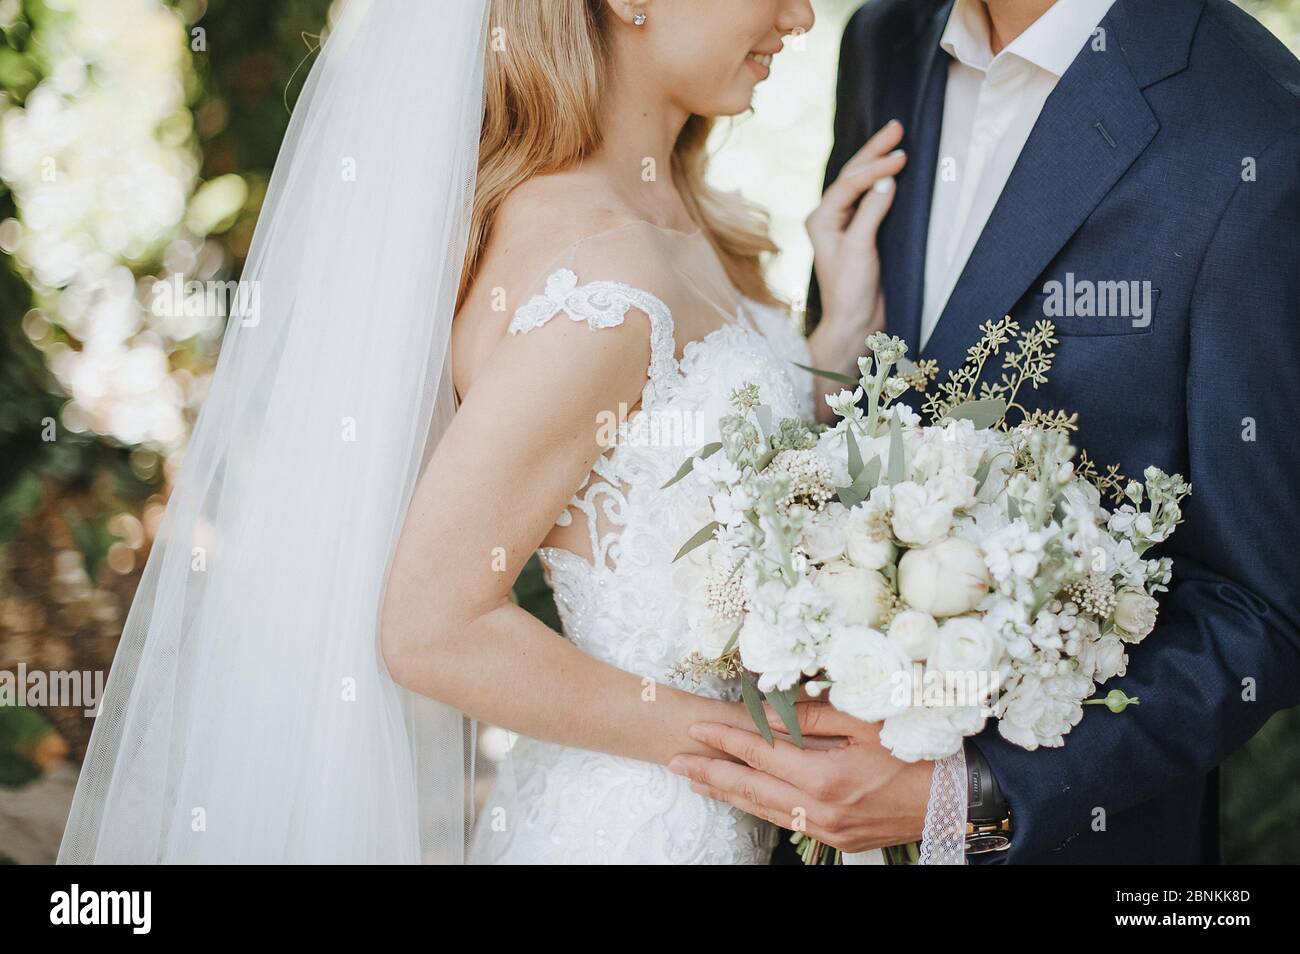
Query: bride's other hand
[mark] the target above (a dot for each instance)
(853, 795)
(735, 715)
(847, 264)
(843, 229)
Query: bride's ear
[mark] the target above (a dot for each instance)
(634, 13)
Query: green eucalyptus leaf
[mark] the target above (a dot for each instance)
(783, 702)
(983, 414)
(871, 474)
(708, 450)
(735, 638)
(764, 414)
(702, 536)
(832, 375)
(855, 452)
(754, 703)
(897, 466)
(861, 488)
(849, 496)
(982, 472)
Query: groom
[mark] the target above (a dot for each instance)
(1131, 171)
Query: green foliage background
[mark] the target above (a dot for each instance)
(68, 496)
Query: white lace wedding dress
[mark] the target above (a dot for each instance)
(626, 605)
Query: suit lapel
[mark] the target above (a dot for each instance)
(915, 98)
(1092, 128)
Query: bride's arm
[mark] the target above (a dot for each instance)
(520, 444)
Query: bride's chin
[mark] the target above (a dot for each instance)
(738, 105)
(733, 97)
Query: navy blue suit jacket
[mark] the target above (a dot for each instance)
(1170, 156)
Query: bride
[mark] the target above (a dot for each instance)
(482, 333)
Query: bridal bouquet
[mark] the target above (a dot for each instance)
(924, 576)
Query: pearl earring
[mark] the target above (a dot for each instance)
(640, 19)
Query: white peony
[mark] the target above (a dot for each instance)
(919, 733)
(862, 596)
(1102, 659)
(825, 538)
(709, 633)
(915, 633)
(861, 544)
(946, 579)
(864, 668)
(955, 448)
(1135, 615)
(966, 645)
(955, 490)
(921, 514)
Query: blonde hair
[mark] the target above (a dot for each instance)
(542, 116)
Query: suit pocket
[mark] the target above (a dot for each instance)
(1101, 309)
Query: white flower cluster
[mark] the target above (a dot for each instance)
(100, 158)
(957, 571)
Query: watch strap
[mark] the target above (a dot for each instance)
(988, 814)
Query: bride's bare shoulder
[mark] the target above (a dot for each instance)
(559, 207)
(569, 220)
(544, 220)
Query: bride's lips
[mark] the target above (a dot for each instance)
(760, 64)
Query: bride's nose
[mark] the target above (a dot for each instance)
(796, 17)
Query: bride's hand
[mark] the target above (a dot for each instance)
(843, 232)
(736, 715)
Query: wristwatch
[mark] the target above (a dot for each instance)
(988, 815)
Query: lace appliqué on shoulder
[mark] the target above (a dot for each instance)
(603, 305)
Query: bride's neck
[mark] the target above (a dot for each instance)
(639, 131)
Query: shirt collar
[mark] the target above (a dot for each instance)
(1051, 42)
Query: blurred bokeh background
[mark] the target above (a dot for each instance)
(136, 141)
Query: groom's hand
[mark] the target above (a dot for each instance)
(844, 788)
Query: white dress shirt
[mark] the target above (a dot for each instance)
(991, 105)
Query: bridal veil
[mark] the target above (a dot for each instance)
(248, 715)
